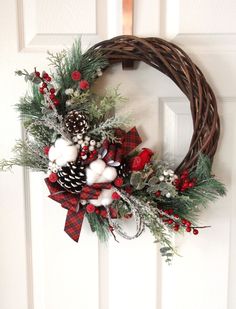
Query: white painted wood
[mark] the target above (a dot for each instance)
(41, 268)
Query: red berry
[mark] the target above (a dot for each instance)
(115, 196)
(56, 102)
(52, 90)
(76, 75)
(113, 212)
(170, 221)
(41, 90)
(128, 216)
(188, 229)
(191, 185)
(97, 211)
(103, 213)
(53, 177)
(45, 75)
(46, 150)
(171, 211)
(119, 181)
(90, 208)
(188, 223)
(176, 227)
(158, 193)
(82, 153)
(44, 85)
(85, 148)
(37, 74)
(84, 84)
(128, 189)
(176, 216)
(48, 79)
(195, 231)
(52, 96)
(184, 221)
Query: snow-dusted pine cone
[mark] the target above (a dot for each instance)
(72, 177)
(122, 170)
(76, 122)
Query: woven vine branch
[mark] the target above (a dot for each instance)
(171, 60)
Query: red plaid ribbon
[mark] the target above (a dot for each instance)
(114, 152)
(74, 219)
(93, 192)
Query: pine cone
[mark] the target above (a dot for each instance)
(122, 170)
(72, 177)
(76, 122)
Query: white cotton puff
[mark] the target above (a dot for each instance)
(63, 151)
(109, 173)
(91, 177)
(98, 166)
(52, 154)
(61, 143)
(104, 199)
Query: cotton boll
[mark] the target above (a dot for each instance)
(61, 143)
(69, 153)
(98, 166)
(91, 176)
(106, 197)
(110, 173)
(101, 179)
(52, 154)
(97, 202)
(61, 161)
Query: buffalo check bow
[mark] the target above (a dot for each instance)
(71, 202)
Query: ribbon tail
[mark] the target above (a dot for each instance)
(74, 223)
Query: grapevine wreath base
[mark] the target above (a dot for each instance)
(94, 168)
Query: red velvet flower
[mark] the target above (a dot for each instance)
(76, 75)
(137, 163)
(90, 208)
(84, 84)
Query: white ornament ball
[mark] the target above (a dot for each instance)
(80, 136)
(87, 138)
(92, 142)
(161, 178)
(165, 173)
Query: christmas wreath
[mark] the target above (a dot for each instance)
(94, 168)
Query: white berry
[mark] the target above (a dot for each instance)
(68, 102)
(91, 148)
(98, 145)
(80, 142)
(168, 195)
(79, 136)
(92, 142)
(161, 178)
(165, 173)
(83, 202)
(74, 139)
(87, 138)
(84, 157)
(69, 91)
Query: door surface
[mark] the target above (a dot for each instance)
(40, 267)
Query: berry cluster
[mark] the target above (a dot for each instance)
(88, 147)
(47, 89)
(175, 222)
(184, 182)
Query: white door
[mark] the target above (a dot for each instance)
(40, 267)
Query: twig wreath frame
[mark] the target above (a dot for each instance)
(172, 61)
